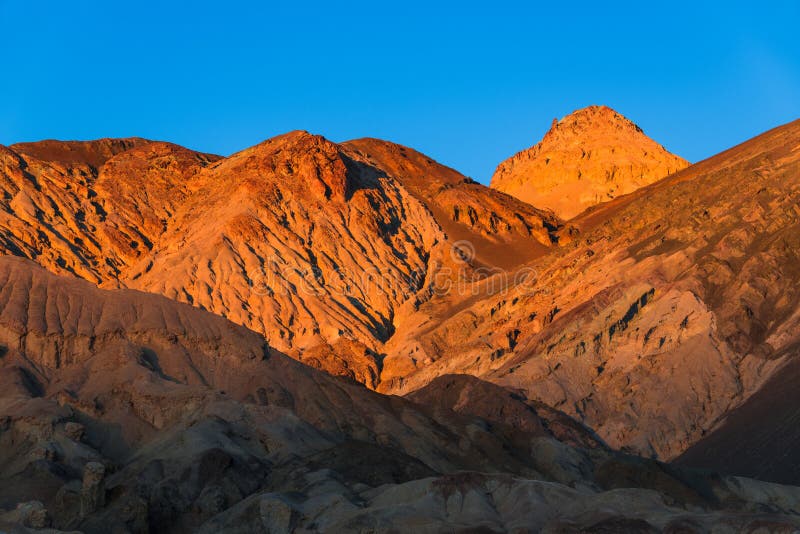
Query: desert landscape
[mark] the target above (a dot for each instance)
(386, 268)
(351, 337)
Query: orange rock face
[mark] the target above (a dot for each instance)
(91, 208)
(590, 156)
(312, 244)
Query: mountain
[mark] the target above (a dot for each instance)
(166, 315)
(590, 156)
(759, 437)
(318, 246)
(670, 308)
(126, 411)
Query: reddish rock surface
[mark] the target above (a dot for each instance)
(310, 243)
(591, 156)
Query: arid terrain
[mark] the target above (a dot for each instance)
(351, 337)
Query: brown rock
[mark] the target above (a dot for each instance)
(32, 514)
(74, 431)
(660, 314)
(190, 408)
(93, 490)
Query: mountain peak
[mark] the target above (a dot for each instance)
(591, 118)
(590, 156)
(298, 160)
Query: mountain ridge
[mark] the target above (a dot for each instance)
(400, 334)
(266, 217)
(704, 258)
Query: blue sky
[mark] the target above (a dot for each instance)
(468, 84)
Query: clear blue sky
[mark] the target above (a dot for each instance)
(469, 84)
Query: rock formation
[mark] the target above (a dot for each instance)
(90, 209)
(590, 156)
(93, 491)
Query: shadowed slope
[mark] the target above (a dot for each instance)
(469, 395)
(760, 438)
(127, 411)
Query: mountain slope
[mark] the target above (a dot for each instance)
(503, 232)
(671, 307)
(90, 208)
(590, 156)
(125, 411)
(282, 237)
(323, 248)
(658, 313)
(760, 437)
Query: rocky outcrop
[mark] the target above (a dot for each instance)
(30, 514)
(591, 156)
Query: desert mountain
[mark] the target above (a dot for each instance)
(590, 156)
(671, 307)
(127, 412)
(320, 247)
(352, 227)
(662, 323)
